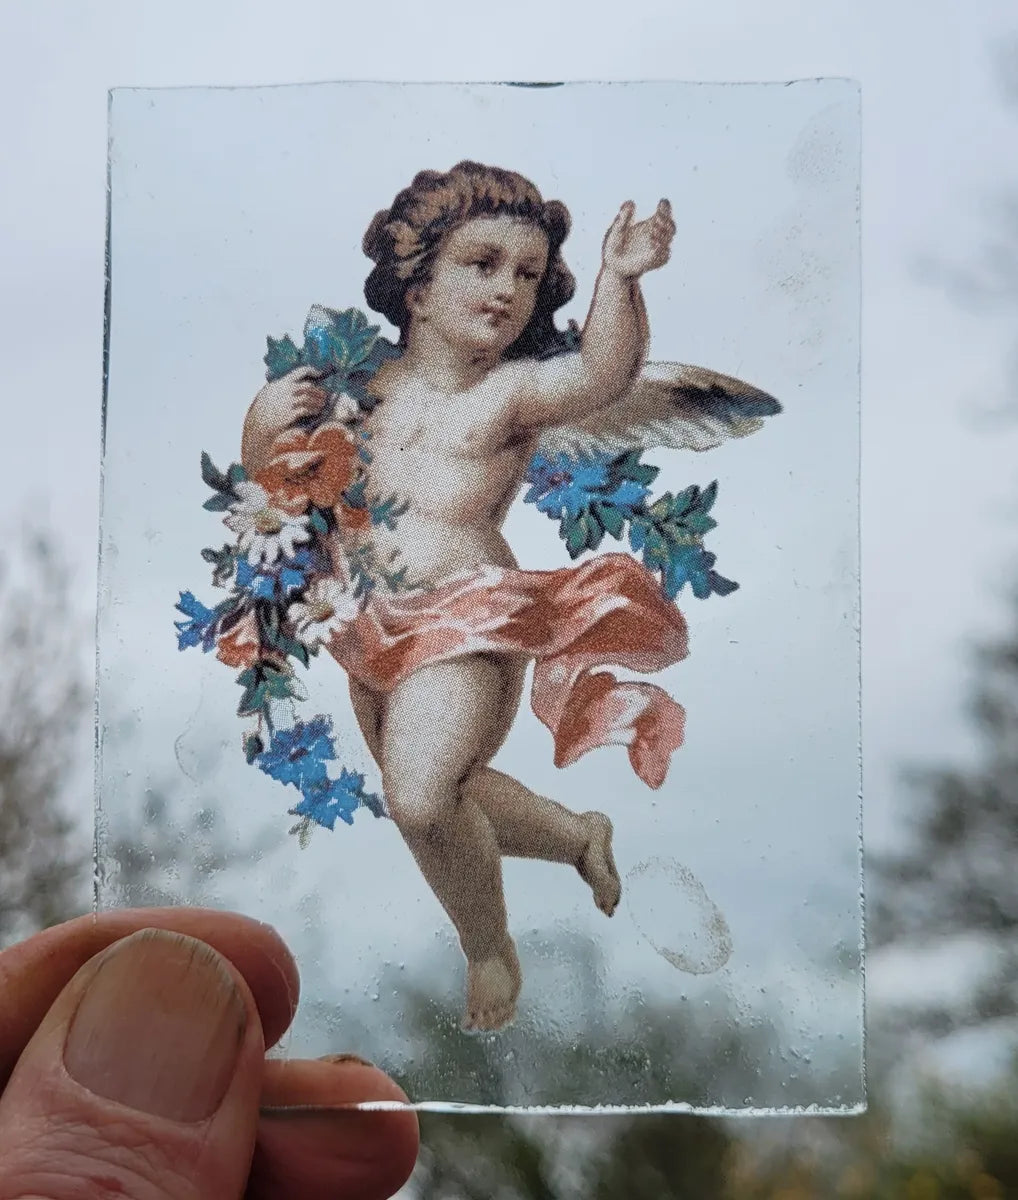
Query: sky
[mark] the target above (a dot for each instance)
(934, 122)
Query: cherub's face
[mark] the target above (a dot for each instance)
(484, 283)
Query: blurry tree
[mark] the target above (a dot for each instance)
(958, 873)
(163, 857)
(44, 855)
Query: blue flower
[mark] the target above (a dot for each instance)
(318, 348)
(628, 494)
(566, 486)
(299, 755)
(326, 800)
(276, 582)
(200, 626)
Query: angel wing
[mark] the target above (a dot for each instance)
(671, 404)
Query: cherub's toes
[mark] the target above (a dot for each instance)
(482, 1022)
(496, 1018)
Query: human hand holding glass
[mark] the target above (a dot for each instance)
(132, 1062)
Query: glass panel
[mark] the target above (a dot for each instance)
(464, 478)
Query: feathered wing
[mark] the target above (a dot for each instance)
(671, 404)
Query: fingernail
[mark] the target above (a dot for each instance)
(339, 1059)
(159, 1027)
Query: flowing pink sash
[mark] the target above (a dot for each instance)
(607, 611)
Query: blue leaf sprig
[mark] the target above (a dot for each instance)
(592, 495)
(342, 347)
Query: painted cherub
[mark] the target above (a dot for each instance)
(469, 269)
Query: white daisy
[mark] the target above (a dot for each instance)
(265, 531)
(327, 606)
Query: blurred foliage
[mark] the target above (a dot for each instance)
(44, 856)
(957, 874)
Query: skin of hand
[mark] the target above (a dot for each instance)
(132, 1064)
(276, 407)
(632, 249)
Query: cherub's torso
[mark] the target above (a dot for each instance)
(456, 461)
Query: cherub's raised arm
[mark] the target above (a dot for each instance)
(615, 334)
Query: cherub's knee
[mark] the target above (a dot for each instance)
(420, 808)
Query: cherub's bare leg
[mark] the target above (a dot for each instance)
(441, 723)
(531, 826)
(527, 825)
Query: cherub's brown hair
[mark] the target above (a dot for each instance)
(403, 241)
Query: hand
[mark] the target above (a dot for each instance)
(286, 400)
(132, 1063)
(630, 250)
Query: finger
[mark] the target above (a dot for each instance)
(313, 1145)
(305, 373)
(33, 973)
(617, 231)
(664, 207)
(308, 392)
(142, 1080)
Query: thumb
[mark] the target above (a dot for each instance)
(143, 1080)
(617, 230)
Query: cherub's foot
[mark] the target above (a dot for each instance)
(493, 984)
(597, 864)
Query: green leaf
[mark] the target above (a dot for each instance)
(236, 474)
(576, 537)
(253, 701)
(253, 746)
(699, 522)
(220, 502)
(278, 686)
(593, 529)
(630, 467)
(289, 646)
(708, 496)
(673, 507)
(318, 522)
(211, 474)
(281, 358)
(611, 519)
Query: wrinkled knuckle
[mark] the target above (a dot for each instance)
(79, 1161)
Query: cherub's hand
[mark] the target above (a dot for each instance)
(286, 400)
(630, 250)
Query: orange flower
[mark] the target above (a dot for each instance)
(241, 646)
(352, 518)
(313, 468)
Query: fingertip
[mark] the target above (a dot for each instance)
(314, 1141)
(336, 1080)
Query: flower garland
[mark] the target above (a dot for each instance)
(292, 584)
(592, 495)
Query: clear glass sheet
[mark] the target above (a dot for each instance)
(730, 975)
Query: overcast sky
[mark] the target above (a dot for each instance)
(939, 490)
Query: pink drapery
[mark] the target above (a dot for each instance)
(607, 611)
